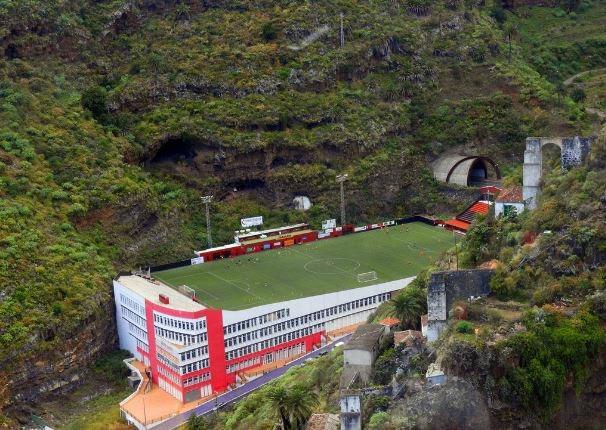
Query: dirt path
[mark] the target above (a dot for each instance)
(578, 75)
(599, 113)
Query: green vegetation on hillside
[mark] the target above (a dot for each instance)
(116, 116)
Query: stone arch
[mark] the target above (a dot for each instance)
(465, 170)
(573, 151)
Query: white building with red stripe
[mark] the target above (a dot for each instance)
(192, 351)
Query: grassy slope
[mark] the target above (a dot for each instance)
(314, 268)
(72, 211)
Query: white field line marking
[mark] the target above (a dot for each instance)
(234, 284)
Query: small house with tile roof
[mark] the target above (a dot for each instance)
(509, 201)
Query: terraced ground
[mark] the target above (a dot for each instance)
(314, 268)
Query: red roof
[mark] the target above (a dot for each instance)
(480, 208)
(457, 224)
(511, 195)
(389, 321)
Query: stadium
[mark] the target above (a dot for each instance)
(236, 311)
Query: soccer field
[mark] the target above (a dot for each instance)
(319, 267)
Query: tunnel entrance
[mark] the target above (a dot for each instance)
(478, 171)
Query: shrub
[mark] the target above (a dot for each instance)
(384, 367)
(94, 99)
(554, 349)
(578, 94)
(378, 420)
(269, 31)
(464, 327)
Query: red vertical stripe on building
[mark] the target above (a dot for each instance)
(151, 339)
(216, 349)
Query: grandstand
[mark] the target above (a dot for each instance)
(313, 268)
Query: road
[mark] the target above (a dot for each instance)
(243, 390)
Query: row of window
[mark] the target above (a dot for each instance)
(243, 364)
(169, 375)
(136, 331)
(253, 322)
(177, 337)
(280, 354)
(132, 316)
(167, 362)
(180, 324)
(315, 316)
(125, 300)
(197, 352)
(198, 365)
(193, 380)
(142, 346)
(273, 341)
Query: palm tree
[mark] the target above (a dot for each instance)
(408, 306)
(510, 29)
(293, 405)
(278, 398)
(301, 402)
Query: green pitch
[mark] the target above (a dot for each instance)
(319, 267)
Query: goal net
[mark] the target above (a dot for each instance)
(367, 276)
(189, 292)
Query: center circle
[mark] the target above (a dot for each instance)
(331, 266)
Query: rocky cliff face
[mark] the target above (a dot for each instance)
(57, 363)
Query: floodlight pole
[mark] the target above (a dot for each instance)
(341, 179)
(206, 200)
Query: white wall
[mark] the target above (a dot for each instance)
(358, 357)
(499, 208)
(127, 341)
(306, 305)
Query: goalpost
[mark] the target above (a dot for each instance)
(367, 276)
(187, 291)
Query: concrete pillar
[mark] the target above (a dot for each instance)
(351, 412)
(532, 172)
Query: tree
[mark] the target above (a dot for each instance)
(301, 402)
(408, 306)
(560, 90)
(293, 405)
(578, 94)
(278, 398)
(95, 100)
(510, 29)
(195, 423)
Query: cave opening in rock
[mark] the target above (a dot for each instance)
(278, 162)
(11, 52)
(175, 150)
(248, 184)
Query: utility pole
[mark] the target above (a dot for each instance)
(454, 236)
(341, 179)
(206, 200)
(342, 34)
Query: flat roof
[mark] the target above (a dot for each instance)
(150, 290)
(218, 248)
(270, 230)
(365, 337)
(314, 268)
(273, 238)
